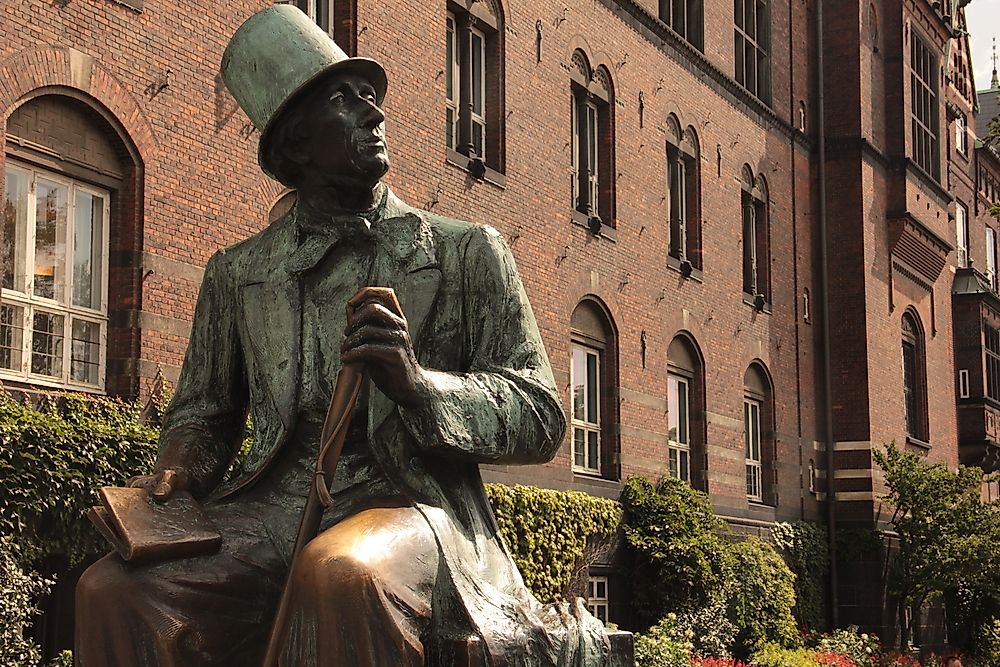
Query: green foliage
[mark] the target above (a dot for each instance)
(52, 460)
(775, 655)
(864, 649)
(761, 594)
(664, 645)
(805, 548)
(19, 592)
(680, 554)
(947, 535)
(713, 631)
(546, 532)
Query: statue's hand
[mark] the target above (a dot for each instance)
(163, 484)
(377, 337)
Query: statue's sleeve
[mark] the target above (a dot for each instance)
(504, 407)
(203, 424)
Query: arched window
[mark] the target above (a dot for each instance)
(72, 237)
(684, 194)
(592, 141)
(473, 81)
(593, 391)
(914, 378)
(756, 239)
(758, 433)
(685, 411)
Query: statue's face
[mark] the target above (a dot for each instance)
(343, 132)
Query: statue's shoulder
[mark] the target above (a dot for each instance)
(256, 251)
(447, 229)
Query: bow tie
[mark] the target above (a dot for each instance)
(316, 241)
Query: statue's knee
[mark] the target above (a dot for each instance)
(103, 581)
(320, 567)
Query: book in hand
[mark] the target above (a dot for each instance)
(142, 529)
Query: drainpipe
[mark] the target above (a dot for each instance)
(831, 504)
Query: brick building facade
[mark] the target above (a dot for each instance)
(658, 170)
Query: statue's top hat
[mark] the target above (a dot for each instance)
(275, 56)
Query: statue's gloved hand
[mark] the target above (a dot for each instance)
(377, 337)
(163, 484)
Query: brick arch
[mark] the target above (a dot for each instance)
(28, 73)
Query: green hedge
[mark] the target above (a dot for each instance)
(547, 531)
(54, 457)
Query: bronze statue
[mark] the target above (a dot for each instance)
(409, 560)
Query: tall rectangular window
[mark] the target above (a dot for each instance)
(751, 441)
(472, 105)
(585, 374)
(685, 18)
(962, 234)
(678, 433)
(756, 252)
(961, 135)
(991, 337)
(586, 156)
(683, 190)
(53, 322)
(752, 45)
(924, 106)
(991, 257)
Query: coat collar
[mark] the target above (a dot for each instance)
(405, 260)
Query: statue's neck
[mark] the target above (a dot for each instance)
(324, 202)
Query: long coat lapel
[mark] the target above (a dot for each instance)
(406, 261)
(272, 310)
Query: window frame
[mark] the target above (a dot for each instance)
(756, 44)
(585, 426)
(596, 602)
(753, 435)
(681, 446)
(683, 195)
(592, 158)
(475, 136)
(991, 257)
(961, 234)
(914, 378)
(755, 216)
(924, 102)
(991, 353)
(691, 26)
(22, 295)
(962, 134)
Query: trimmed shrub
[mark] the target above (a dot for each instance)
(547, 531)
(679, 553)
(53, 459)
(762, 595)
(664, 645)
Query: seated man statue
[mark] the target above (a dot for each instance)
(408, 557)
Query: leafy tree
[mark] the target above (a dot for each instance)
(947, 535)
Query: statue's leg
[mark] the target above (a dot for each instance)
(361, 592)
(206, 611)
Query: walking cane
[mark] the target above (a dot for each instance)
(338, 418)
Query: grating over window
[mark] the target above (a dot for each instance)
(924, 106)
